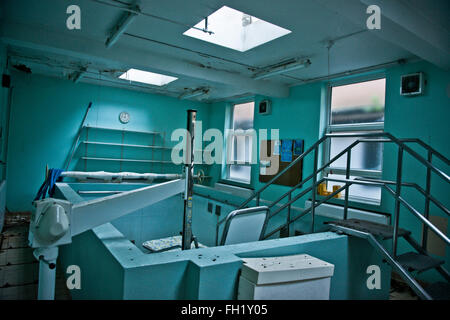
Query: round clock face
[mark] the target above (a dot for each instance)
(124, 117)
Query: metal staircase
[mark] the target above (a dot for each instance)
(407, 265)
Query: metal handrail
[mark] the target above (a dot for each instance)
(412, 185)
(401, 143)
(391, 138)
(403, 201)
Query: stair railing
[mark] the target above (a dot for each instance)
(363, 138)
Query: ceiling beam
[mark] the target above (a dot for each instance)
(402, 26)
(125, 20)
(93, 50)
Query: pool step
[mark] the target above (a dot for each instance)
(413, 261)
(377, 229)
(439, 290)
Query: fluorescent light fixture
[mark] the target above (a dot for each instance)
(152, 78)
(235, 30)
(193, 94)
(298, 64)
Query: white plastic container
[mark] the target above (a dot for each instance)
(296, 277)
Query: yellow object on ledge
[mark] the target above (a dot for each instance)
(322, 190)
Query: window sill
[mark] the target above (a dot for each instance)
(355, 202)
(236, 183)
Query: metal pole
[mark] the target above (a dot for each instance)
(347, 176)
(74, 146)
(313, 205)
(288, 220)
(397, 201)
(47, 272)
(189, 170)
(427, 202)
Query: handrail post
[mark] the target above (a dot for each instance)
(257, 199)
(397, 201)
(427, 202)
(347, 177)
(288, 219)
(314, 182)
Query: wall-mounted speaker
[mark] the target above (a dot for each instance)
(412, 84)
(264, 107)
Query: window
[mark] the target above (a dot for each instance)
(240, 143)
(357, 108)
(235, 30)
(152, 78)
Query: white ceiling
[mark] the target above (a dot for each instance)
(36, 34)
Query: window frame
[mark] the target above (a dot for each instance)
(229, 125)
(352, 128)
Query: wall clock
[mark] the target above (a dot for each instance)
(124, 117)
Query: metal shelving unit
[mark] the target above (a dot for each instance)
(154, 143)
(124, 145)
(124, 160)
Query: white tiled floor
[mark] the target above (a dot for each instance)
(19, 270)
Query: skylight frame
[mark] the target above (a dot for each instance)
(147, 77)
(228, 30)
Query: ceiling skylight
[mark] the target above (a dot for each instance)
(236, 30)
(155, 79)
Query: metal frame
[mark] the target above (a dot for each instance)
(239, 212)
(375, 137)
(231, 126)
(361, 127)
(187, 236)
(418, 289)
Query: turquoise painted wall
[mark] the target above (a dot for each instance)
(425, 117)
(3, 113)
(3, 107)
(296, 117)
(47, 112)
(125, 271)
(301, 115)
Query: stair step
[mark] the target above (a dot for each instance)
(376, 229)
(413, 261)
(439, 290)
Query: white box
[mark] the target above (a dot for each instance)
(296, 277)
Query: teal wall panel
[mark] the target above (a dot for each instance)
(206, 273)
(301, 115)
(424, 117)
(46, 115)
(105, 281)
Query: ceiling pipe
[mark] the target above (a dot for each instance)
(355, 71)
(133, 10)
(193, 94)
(79, 75)
(30, 36)
(296, 65)
(120, 28)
